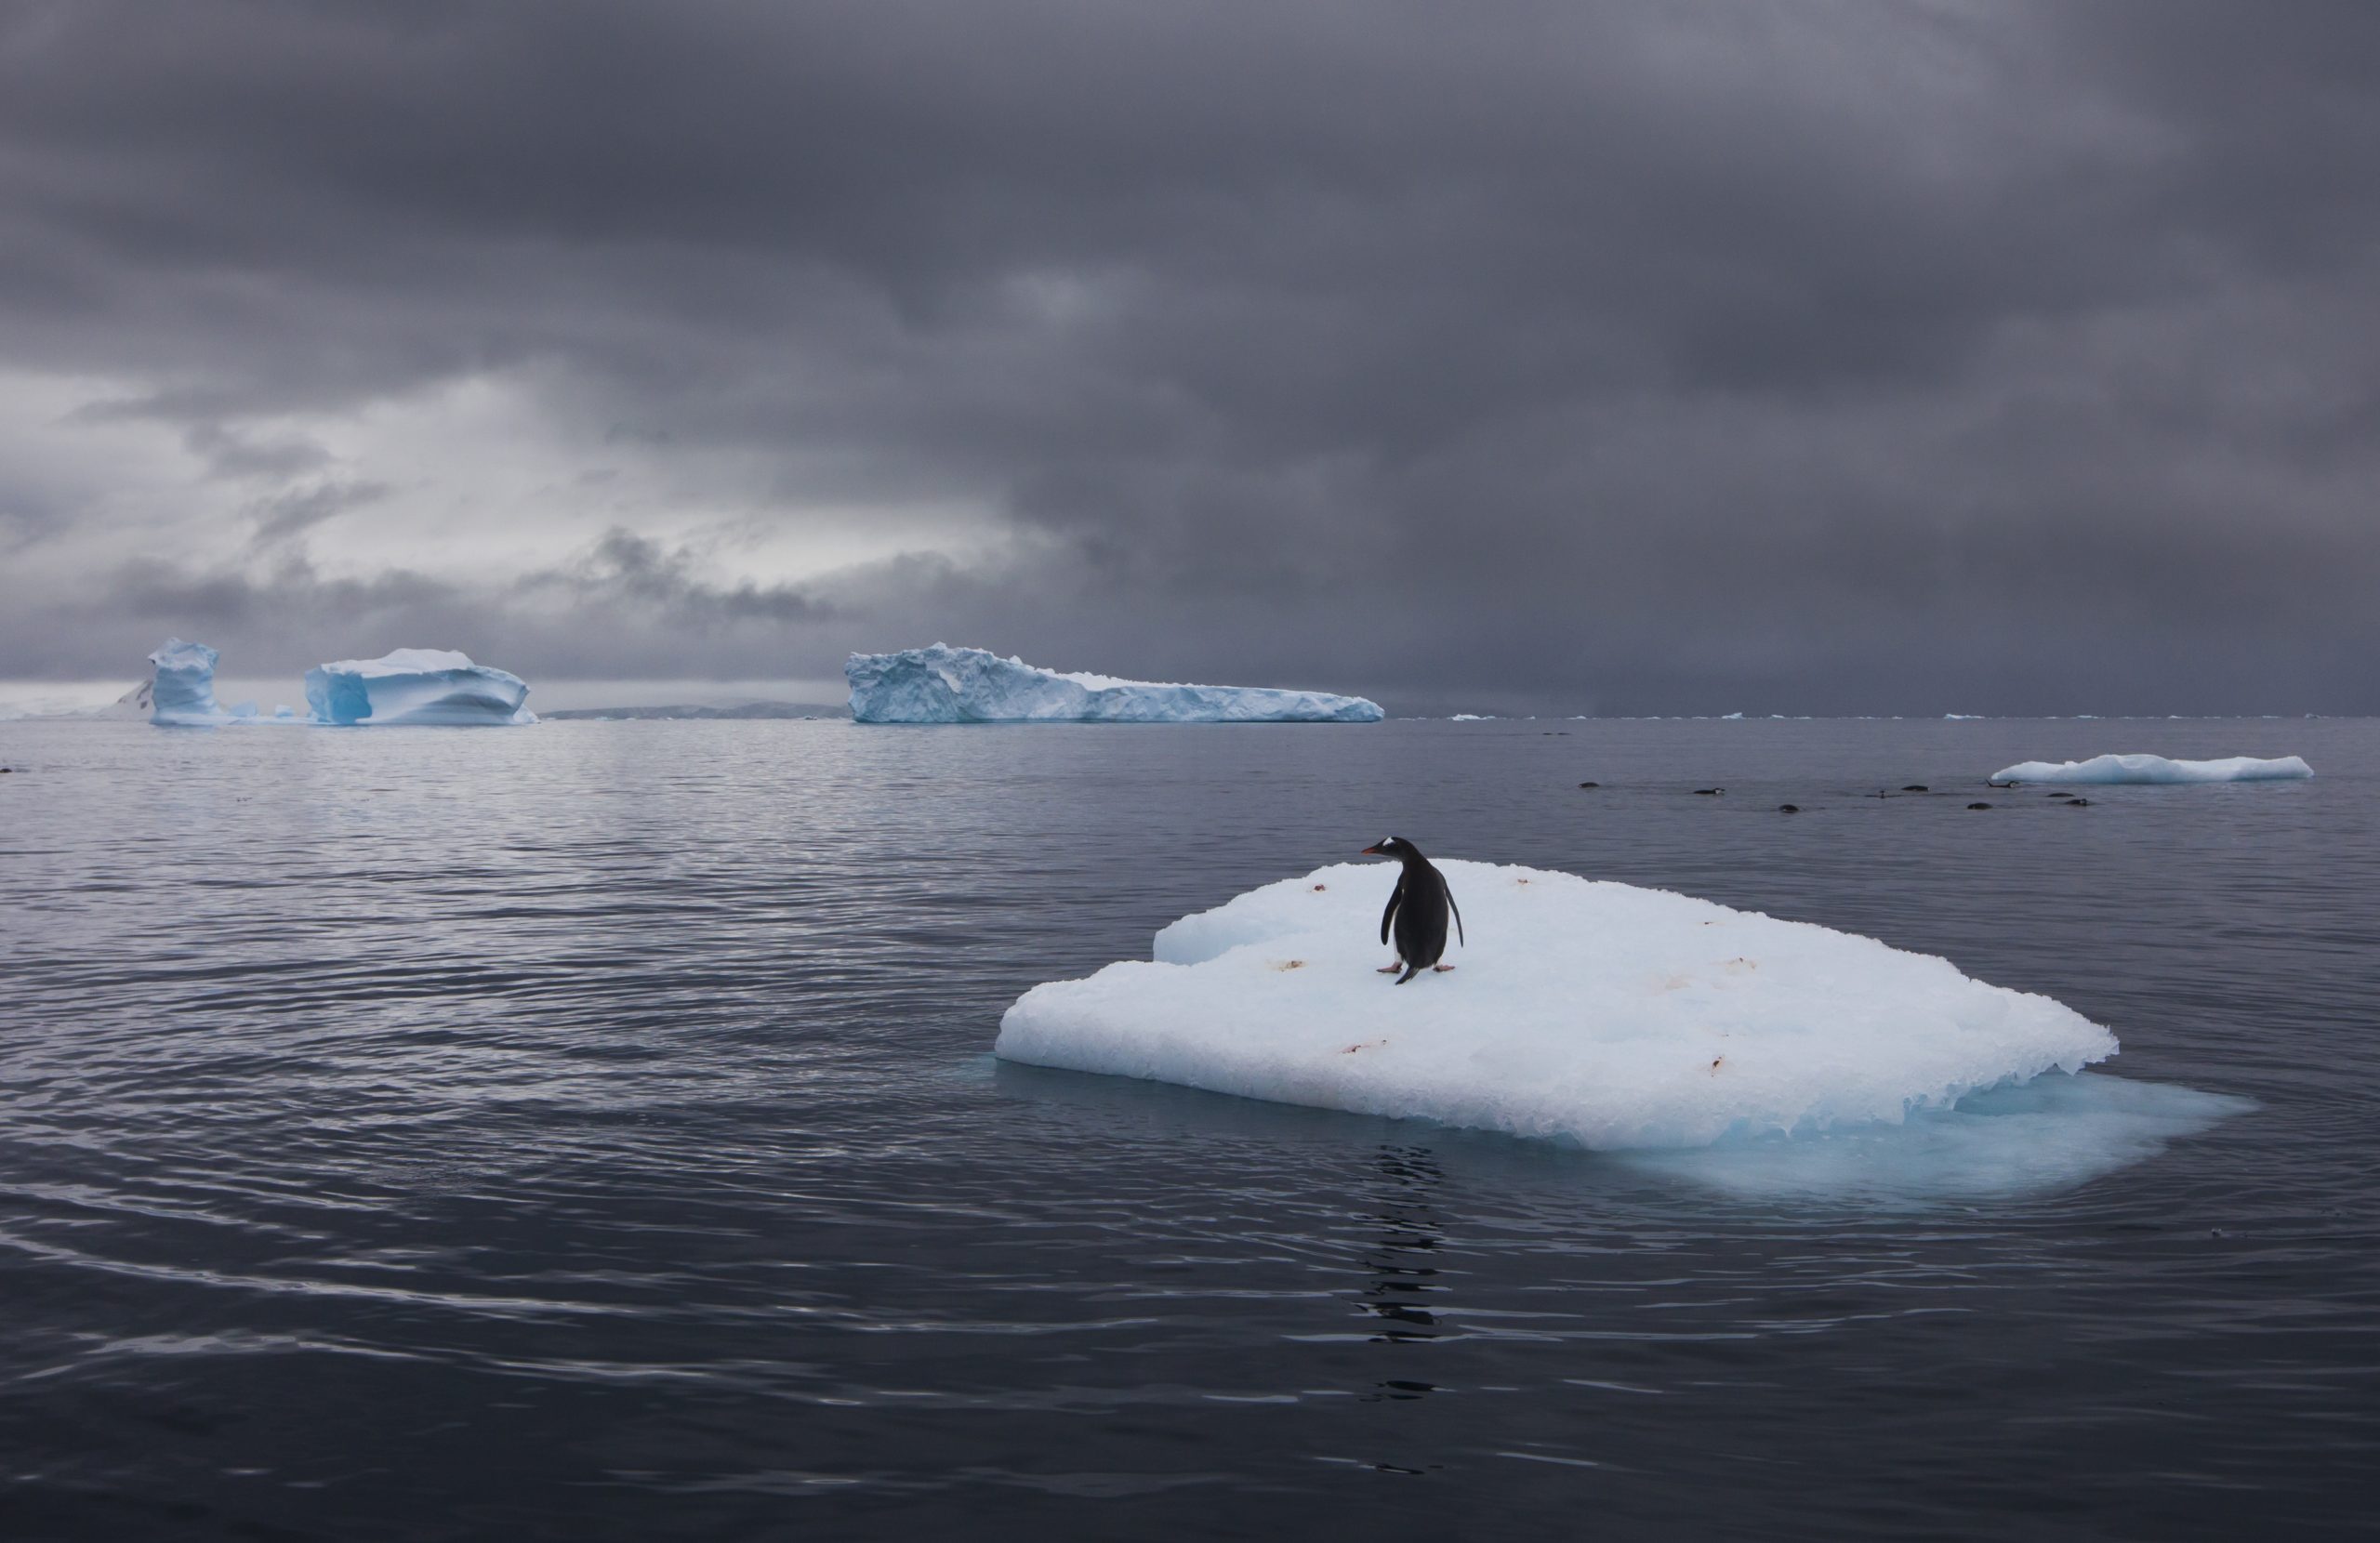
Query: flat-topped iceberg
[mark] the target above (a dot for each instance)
(1593, 1013)
(2154, 768)
(181, 694)
(971, 685)
(416, 686)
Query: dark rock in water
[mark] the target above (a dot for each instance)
(1591, 784)
(1915, 787)
(1789, 808)
(1709, 792)
(2078, 803)
(1978, 805)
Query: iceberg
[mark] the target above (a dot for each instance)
(971, 685)
(416, 686)
(1586, 1011)
(2153, 769)
(412, 685)
(180, 692)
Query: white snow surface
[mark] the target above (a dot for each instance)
(181, 692)
(1582, 1010)
(972, 685)
(2154, 768)
(416, 686)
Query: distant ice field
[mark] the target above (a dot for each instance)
(2157, 769)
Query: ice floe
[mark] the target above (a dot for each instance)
(2154, 768)
(1588, 1012)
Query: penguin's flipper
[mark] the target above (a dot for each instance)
(1410, 973)
(1458, 920)
(1394, 896)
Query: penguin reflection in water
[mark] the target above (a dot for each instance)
(1417, 911)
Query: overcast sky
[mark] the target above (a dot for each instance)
(1821, 356)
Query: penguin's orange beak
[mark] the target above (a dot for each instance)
(1371, 852)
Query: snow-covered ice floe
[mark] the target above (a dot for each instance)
(1589, 1012)
(970, 685)
(2154, 768)
(416, 686)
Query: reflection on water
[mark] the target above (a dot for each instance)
(1402, 1260)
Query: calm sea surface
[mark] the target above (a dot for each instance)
(590, 1132)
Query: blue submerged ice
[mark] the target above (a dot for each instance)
(971, 685)
(417, 686)
(410, 686)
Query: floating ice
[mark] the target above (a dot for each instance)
(2050, 1133)
(1595, 1012)
(181, 692)
(416, 686)
(969, 685)
(2153, 769)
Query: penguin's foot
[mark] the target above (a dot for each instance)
(1390, 970)
(1441, 969)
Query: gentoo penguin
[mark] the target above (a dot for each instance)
(1418, 909)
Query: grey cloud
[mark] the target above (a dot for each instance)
(627, 570)
(294, 510)
(1828, 357)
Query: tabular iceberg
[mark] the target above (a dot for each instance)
(1593, 1012)
(970, 685)
(2154, 768)
(181, 692)
(416, 686)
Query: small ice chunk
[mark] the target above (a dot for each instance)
(416, 686)
(970, 685)
(1592, 1012)
(181, 691)
(2154, 768)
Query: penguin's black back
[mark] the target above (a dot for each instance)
(1422, 902)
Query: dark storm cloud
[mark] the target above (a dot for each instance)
(1652, 356)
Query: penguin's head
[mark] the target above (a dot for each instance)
(1390, 846)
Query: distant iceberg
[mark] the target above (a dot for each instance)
(410, 686)
(181, 694)
(2154, 768)
(416, 686)
(970, 685)
(1591, 1012)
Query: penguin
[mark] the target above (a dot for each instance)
(1418, 909)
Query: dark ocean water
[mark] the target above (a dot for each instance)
(589, 1132)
